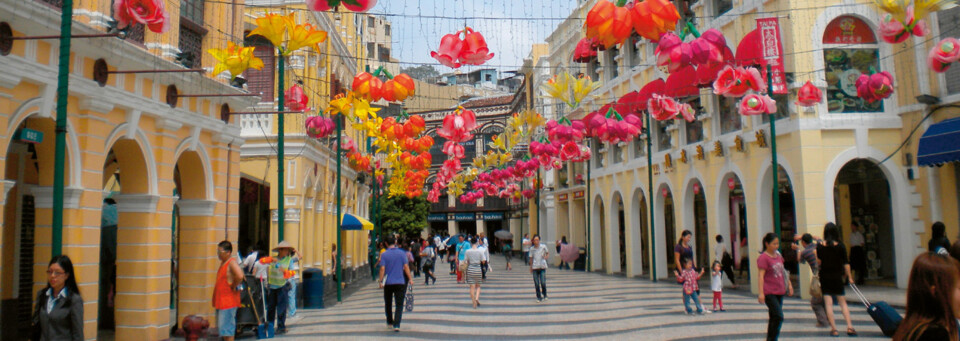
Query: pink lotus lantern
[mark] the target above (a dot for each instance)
(475, 51)
(361, 6)
(688, 112)
(295, 99)
(673, 52)
(754, 104)
(875, 87)
(147, 12)
(709, 47)
(457, 126)
(941, 56)
(735, 82)
(662, 107)
(809, 95)
(353, 5)
(319, 126)
(449, 52)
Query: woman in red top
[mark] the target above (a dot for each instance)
(226, 297)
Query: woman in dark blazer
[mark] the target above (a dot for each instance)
(58, 312)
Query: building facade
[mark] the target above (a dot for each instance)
(151, 184)
(843, 161)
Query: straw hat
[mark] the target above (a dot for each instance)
(283, 245)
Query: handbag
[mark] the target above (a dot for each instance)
(815, 289)
(463, 266)
(408, 301)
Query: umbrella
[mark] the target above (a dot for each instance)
(503, 234)
(354, 223)
(569, 253)
(452, 240)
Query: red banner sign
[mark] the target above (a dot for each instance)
(772, 49)
(578, 194)
(563, 197)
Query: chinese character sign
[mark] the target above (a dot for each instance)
(773, 52)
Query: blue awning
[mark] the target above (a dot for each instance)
(940, 143)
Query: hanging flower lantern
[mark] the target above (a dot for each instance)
(353, 5)
(585, 51)
(295, 99)
(367, 86)
(809, 95)
(235, 59)
(449, 52)
(673, 52)
(608, 23)
(754, 104)
(274, 26)
(875, 87)
(943, 54)
(454, 52)
(709, 48)
(319, 126)
(735, 82)
(688, 112)
(652, 18)
(399, 88)
(663, 108)
(458, 126)
(148, 12)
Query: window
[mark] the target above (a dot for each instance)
(135, 33)
(562, 177)
(617, 153)
(488, 78)
(261, 81)
(730, 119)
(192, 10)
(386, 30)
(663, 136)
(639, 148)
(612, 64)
(57, 4)
(578, 177)
(949, 25)
(722, 6)
(596, 156)
(371, 50)
(783, 107)
(633, 53)
(371, 22)
(384, 55)
(850, 49)
(592, 67)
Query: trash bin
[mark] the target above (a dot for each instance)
(312, 289)
(581, 262)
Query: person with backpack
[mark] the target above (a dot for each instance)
(808, 254)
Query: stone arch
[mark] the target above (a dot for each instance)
(194, 156)
(664, 256)
(616, 233)
(904, 238)
(35, 107)
(701, 235)
(639, 237)
(144, 152)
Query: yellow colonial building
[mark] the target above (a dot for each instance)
(843, 161)
(151, 184)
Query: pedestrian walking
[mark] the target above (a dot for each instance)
(439, 247)
(932, 295)
(414, 249)
(538, 256)
(462, 248)
(683, 250)
(429, 255)
(716, 285)
(858, 252)
(278, 276)
(938, 238)
(691, 286)
(722, 254)
(473, 257)
(773, 283)
(394, 278)
(808, 254)
(294, 282)
(834, 267)
(525, 247)
(508, 253)
(485, 261)
(226, 292)
(58, 311)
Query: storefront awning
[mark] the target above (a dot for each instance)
(940, 143)
(749, 51)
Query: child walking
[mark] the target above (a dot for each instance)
(690, 286)
(716, 284)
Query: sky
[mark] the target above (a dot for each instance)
(510, 27)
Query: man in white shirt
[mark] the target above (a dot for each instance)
(858, 254)
(485, 250)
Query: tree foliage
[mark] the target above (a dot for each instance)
(404, 216)
(421, 72)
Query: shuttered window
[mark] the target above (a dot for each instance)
(261, 81)
(949, 24)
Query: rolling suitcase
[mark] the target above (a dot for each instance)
(882, 313)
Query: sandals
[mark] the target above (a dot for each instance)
(834, 333)
(851, 332)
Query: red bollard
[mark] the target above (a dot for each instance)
(194, 327)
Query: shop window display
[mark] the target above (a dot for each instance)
(850, 50)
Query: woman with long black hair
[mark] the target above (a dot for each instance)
(58, 312)
(834, 267)
(683, 250)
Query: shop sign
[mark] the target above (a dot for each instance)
(28, 135)
(492, 216)
(464, 217)
(578, 194)
(848, 30)
(563, 197)
(772, 49)
(437, 217)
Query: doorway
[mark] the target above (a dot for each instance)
(862, 195)
(623, 239)
(254, 220)
(670, 232)
(701, 235)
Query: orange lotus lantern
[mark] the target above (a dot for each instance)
(652, 18)
(399, 88)
(367, 86)
(608, 23)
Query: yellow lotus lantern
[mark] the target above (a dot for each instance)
(275, 26)
(235, 59)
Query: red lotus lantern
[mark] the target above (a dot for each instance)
(449, 52)
(457, 126)
(875, 87)
(731, 184)
(585, 51)
(148, 12)
(735, 82)
(809, 95)
(673, 52)
(361, 5)
(353, 5)
(367, 86)
(399, 88)
(295, 99)
(665, 192)
(696, 188)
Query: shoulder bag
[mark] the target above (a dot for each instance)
(815, 290)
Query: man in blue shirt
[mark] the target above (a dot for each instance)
(462, 248)
(394, 278)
